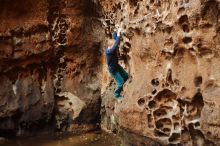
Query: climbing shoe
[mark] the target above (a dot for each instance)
(119, 99)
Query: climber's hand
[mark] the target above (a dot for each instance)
(119, 31)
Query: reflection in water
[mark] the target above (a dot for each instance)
(89, 139)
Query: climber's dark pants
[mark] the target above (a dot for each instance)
(120, 76)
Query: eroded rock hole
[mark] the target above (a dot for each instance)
(166, 130)
(196, 106)
(198, 81)
(169, 76)
(196, 135)
(159, 133)
(203, 51)
(147, 7)
(165, 95)
(175, 117)
(197, 124)
(180, 10)
(155, 82)
(164, 123)
(168, 29)
(152, 104)
(160, 112)
(154, 91)
(185, 28)
(159, 125)
(198, 100)
(183, 19)
(179, 51)
(126, 47)
(193, 111)
(184, 22)
(133, 2)
(191, 49)
(174, 137)
(187, 40)
(151, 1)
(157, 3)
(136, 10)
(141, 102)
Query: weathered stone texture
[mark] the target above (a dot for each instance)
(51, 61)
(48, 70)
(171, 49)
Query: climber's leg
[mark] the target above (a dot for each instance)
(123, 73)
(119, 82)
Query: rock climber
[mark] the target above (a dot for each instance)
(117, 72)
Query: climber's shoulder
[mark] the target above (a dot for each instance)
(107, 51)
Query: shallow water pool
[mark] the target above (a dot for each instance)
(89, 139)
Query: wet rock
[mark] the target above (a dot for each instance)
(53, 74)
(47, 53)
(69, 107)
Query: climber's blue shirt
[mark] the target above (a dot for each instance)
(111, 54)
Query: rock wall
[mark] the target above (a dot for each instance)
(51, 73)
(48, 71)
(171, 50)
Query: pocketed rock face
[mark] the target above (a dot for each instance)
(48, 70)
(171, 49)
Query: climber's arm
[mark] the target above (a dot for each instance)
(115, 46)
